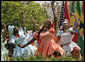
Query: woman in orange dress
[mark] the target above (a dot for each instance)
(45, 38)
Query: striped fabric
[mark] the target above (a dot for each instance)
(61, 16)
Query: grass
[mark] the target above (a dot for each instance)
(41, 58)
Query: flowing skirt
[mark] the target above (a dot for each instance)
(18, 52)
(69, 48)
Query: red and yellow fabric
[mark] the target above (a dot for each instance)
(66, 14)
(80, 40)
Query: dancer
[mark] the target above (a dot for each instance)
(18, 52)
(4, 51)
(45, 37)
(64, 38)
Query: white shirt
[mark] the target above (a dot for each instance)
(67, 38)
(22, 32)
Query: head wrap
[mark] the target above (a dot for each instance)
(66, 21)
(52, 25)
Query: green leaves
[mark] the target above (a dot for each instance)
(10, 13)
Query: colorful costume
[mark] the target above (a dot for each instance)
(18, 52)
(66, 41)
(47, 43)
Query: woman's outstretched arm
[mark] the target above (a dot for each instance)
(22, 46)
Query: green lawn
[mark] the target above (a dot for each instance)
(41, 58)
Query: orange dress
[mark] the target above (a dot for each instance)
(47, 43)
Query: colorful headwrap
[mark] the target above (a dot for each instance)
(51, 30)
(52, 25)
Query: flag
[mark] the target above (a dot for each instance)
(82, 21)
(61, 16)
(66, 14)
(72, 22)
(80, 41)
(72, 19)
(83, 16)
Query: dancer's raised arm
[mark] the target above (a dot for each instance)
(77, 23)
(55, 16)
(22, 21)
(34, 25)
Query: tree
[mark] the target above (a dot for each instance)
(10, 13)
